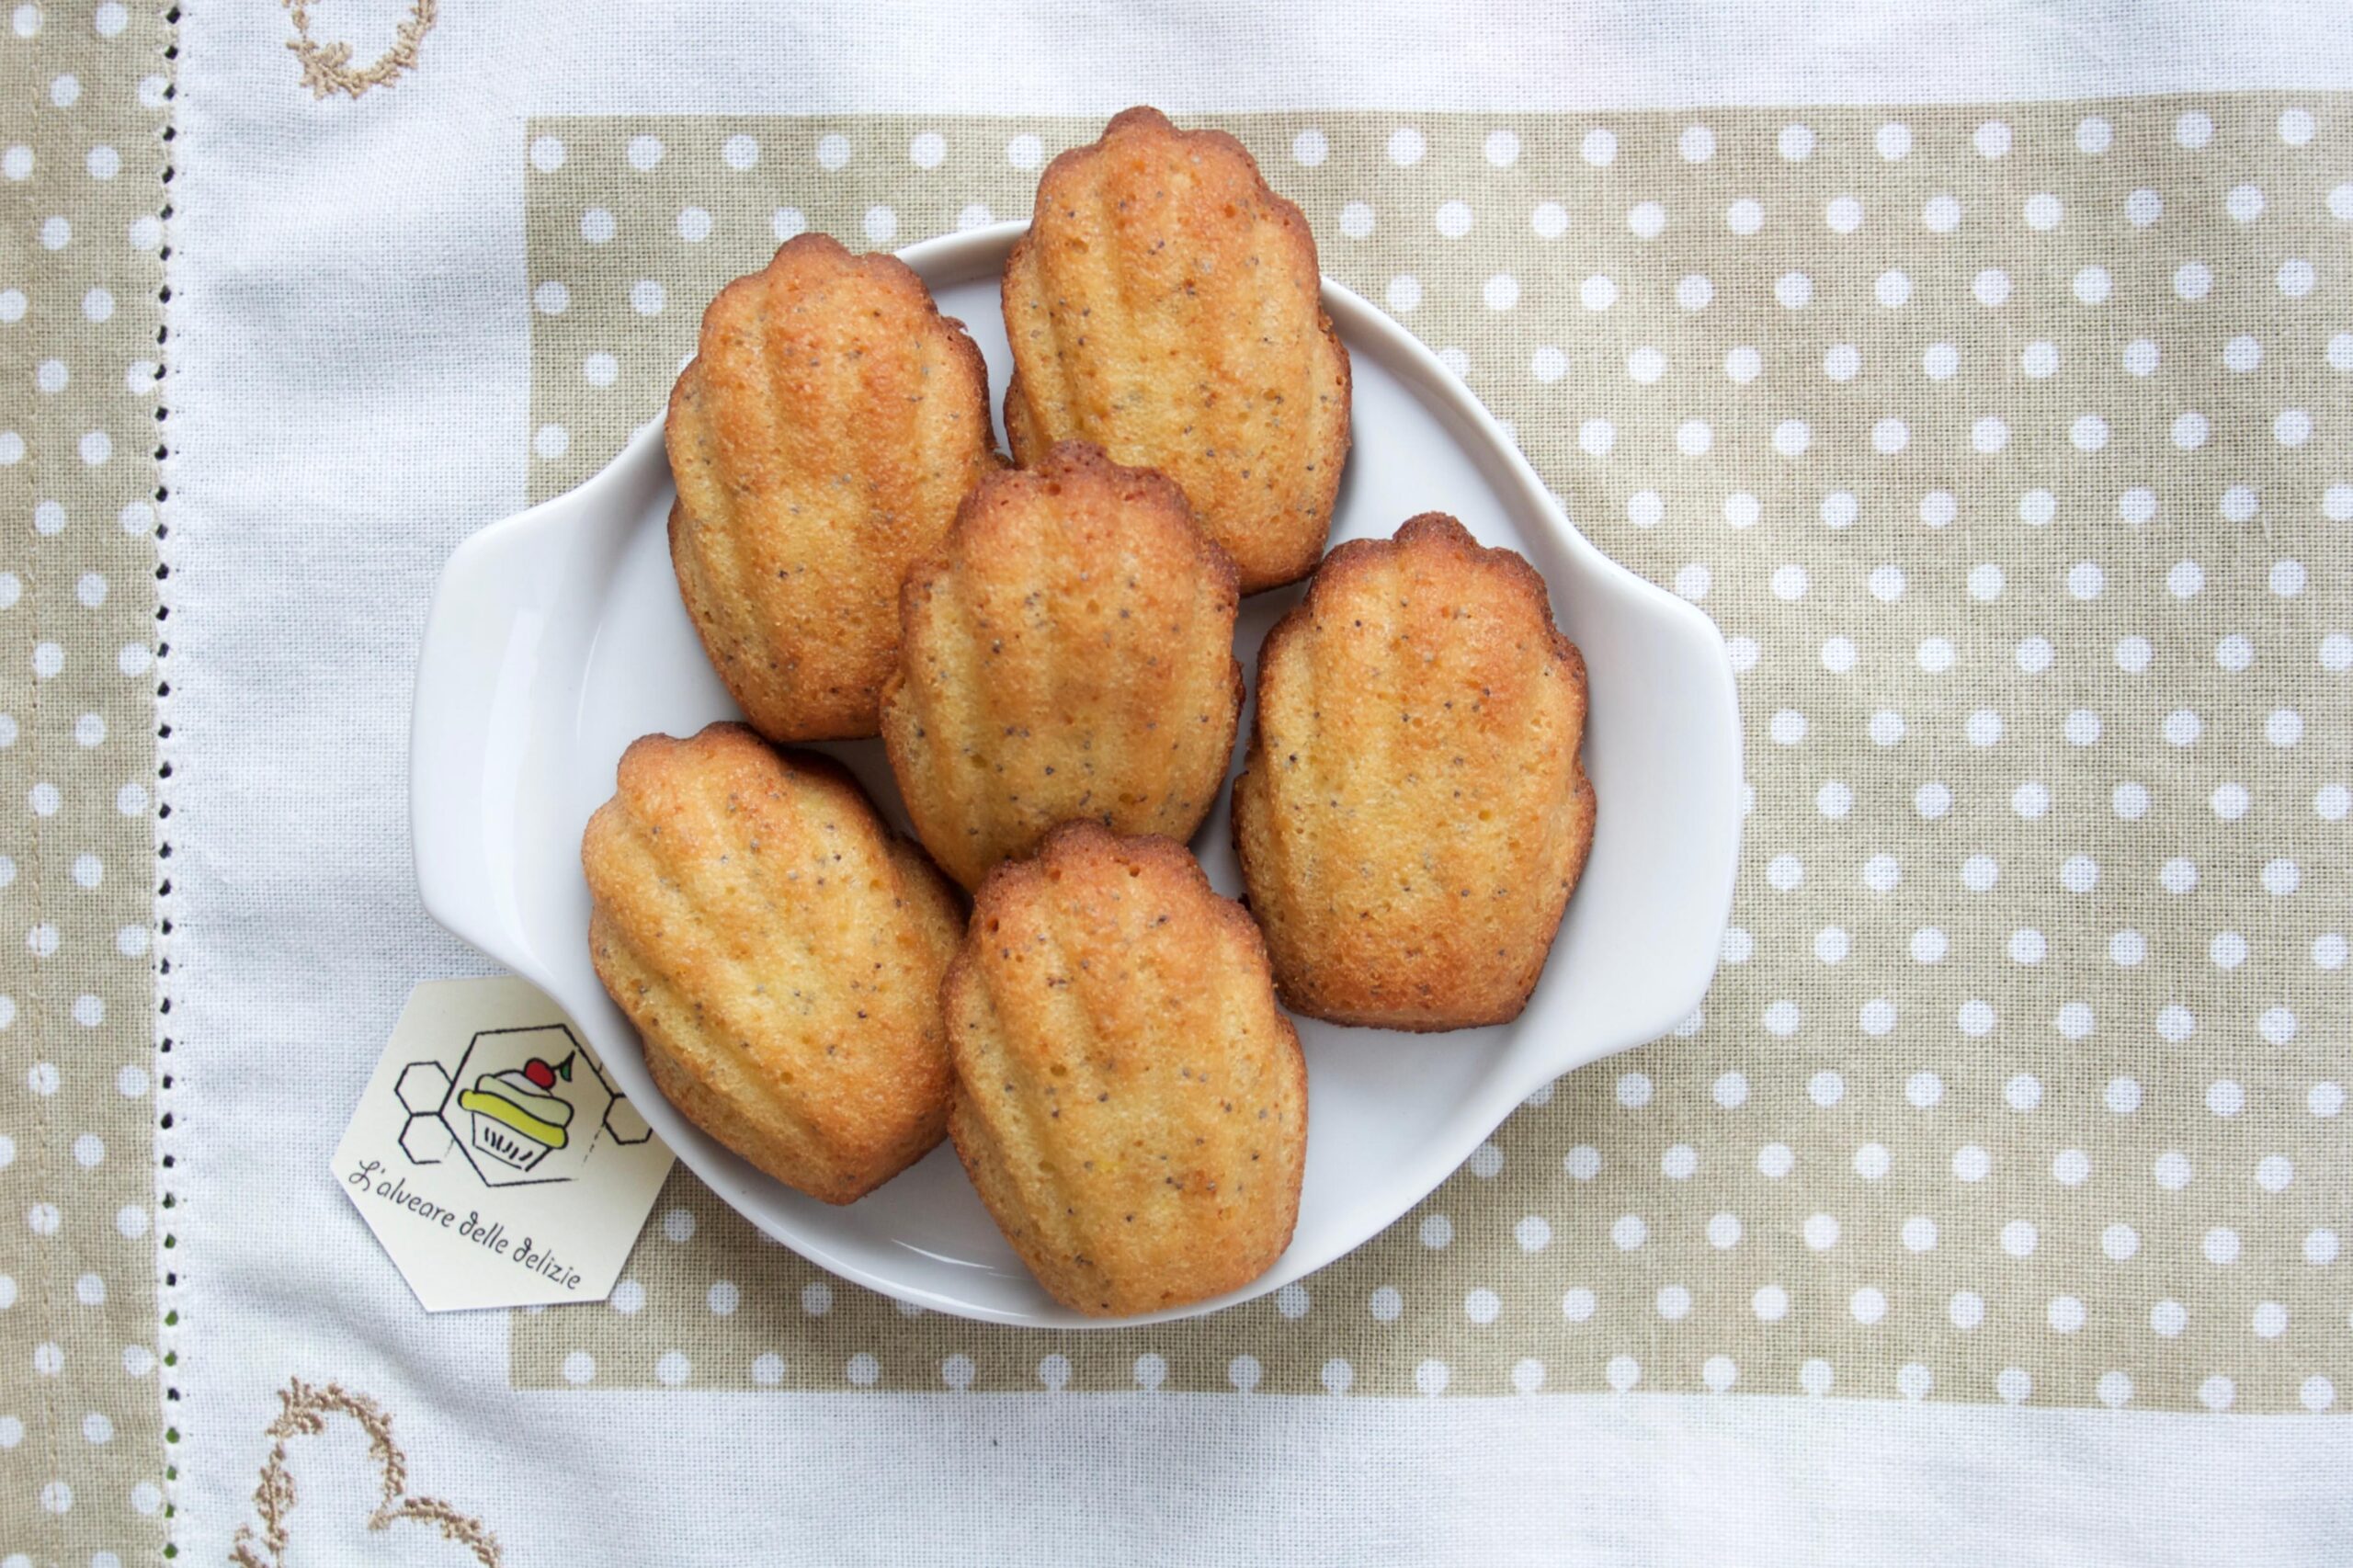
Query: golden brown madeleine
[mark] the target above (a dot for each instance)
(1412, 812)
(1067, 653)
(1166, 306)
(821, 436)
(1130, 1101)
(780, 950)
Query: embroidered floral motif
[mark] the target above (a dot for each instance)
(306, 1409)
(326, 67)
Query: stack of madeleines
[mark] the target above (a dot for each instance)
(1047, 653)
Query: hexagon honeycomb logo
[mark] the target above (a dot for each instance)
(524, 1107)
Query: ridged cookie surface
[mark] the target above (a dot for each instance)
(1067, 653)
(1166, 306)
(1413, 813)
(828, 425)
(780, 950)
(1130, 1101)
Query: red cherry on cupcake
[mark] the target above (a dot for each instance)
(542, 1075)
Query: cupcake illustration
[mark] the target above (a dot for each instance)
(520, 1116)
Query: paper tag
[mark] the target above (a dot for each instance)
(493, 1158)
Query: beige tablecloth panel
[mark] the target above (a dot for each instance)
(82, 1449)
(2009, 446)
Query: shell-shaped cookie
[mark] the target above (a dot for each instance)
(1130, 1101)
(1166, 306)
(780, 950)
(1412, 812)
(1067, 653)
(828, 425)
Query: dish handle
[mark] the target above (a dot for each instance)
(471, 732)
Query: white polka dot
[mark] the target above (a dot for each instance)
(2039, 359)
(1407, 146)
(928, 150)
(1578, 1305)
(644, 152)
(552, 441)
(2193, 128)
(740, 152)
(2317, 1393)
(2275, 1172)
(1891, 288)
(1694, 291)
(647, 297)
(600, 369)
(1796, 143)
(2320, 1248)
(1775, 1161)
(2092, 284)
(880, 224)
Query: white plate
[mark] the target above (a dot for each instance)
(557, 637)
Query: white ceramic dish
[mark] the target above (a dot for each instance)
(557, 637)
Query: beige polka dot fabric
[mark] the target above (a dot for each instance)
(82, 1456)
(2009, 447)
